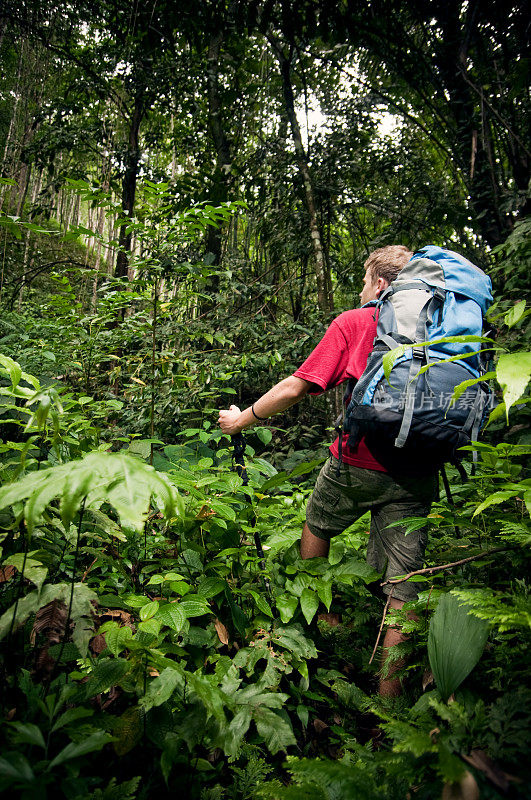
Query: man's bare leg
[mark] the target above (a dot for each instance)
(311, 546)
(391, 686)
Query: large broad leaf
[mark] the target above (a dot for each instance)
(293, 639)
(455, 643)
(462, 387)
(162, 687)
(496, 498)
(92, 743)
(16, 767)
(233, 735)
(515, 314)
(122, 480)
(195, 607)
(108, 672)
(309, 604)
(513, 372)
(173, 616)
(275, 730)
(128, 730)
(286, 605)
(28, 733)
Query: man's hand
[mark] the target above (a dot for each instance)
(228, 421)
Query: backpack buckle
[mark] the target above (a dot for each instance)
(418, 353)
(439, 294)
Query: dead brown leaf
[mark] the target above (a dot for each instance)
(6, 573)
(215, 755)
(319, 725)
(427, 679)
(221, 631)
(50, 625)
(98, 644)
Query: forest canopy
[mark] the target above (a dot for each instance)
(188, 194)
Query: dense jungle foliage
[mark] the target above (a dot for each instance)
(187, 195)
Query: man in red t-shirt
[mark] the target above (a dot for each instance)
(344, 492)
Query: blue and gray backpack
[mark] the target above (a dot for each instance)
(410, 423)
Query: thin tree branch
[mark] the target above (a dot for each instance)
(429, 570)
(381, 625)
(493, 111)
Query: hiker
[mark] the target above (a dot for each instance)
(349, 486)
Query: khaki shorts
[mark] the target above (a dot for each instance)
(338, 501)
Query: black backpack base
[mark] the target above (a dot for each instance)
(428, 447)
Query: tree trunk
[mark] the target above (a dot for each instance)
(5, 158)
(129, 184)
(221, 177)
(324, 293)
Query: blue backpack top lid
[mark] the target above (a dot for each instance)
(461, 276)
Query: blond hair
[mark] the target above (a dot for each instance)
(386, 262)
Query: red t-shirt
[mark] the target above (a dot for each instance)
(342, 354)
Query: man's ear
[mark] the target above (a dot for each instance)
(381, 286)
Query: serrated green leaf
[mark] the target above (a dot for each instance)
(495, 499)
(210, 587)
(150, 626)
(118, 638)
(161, 688)
(237, 729)
(173, 616)
(194, 607)
(128, 730)
(274, 729)
(108, 672)
(149, 610)
(293, 639)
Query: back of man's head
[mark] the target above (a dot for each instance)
(386, 262)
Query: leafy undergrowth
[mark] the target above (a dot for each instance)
(147, 652)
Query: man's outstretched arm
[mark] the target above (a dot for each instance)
(283, 395)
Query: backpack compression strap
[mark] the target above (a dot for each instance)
(418, 357)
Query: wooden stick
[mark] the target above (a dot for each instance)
(427, 570)
(381, 625)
